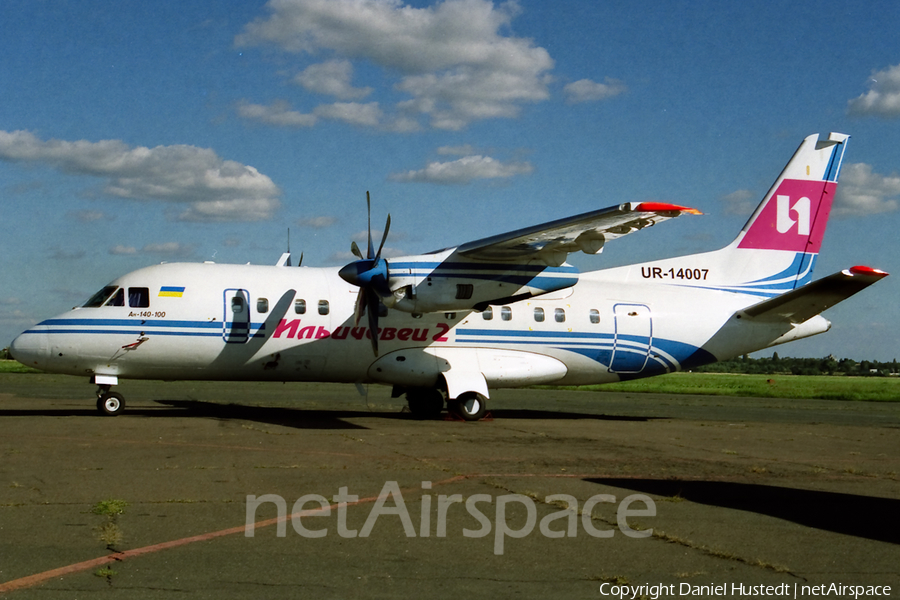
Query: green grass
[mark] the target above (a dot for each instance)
(12, 366)
(822, 387)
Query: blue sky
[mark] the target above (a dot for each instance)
(133, 133)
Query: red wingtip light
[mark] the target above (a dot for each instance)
(665, 207)
(863, 270)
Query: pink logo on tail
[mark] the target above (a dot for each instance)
(793, 219)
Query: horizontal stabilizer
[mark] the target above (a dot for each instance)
(808, 301)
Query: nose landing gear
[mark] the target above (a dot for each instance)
(109, 403)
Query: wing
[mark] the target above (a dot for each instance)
(552, 242)
(806, 302)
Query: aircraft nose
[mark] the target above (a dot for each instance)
(30, 348)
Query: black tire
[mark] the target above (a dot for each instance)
(425, 403)
(470, 406)
(111, 404)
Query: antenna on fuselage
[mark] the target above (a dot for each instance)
(285, 260)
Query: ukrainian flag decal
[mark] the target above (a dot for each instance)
(171, 291)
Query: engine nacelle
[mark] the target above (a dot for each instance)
(425, 284)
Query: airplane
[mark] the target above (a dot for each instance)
(446, 327)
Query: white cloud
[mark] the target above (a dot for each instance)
(89, 216)
(864, 192)
(586, 90)
(464, 150)
(170, 249)
(883, 97)
(206, 186)
(278, 113)
(741, 202)
(317, 222)
(453, 61)
(464, 170)
(352, 113)
(332, 78)
(121, 250)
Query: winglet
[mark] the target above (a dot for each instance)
(862, 270)
(664, 207)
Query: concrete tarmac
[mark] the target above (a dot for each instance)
(698, 496)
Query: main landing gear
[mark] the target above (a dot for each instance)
(427, 403)
(109, 403)
(471, 406)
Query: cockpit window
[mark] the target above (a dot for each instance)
(100, 297)
(138, 297)
(117, 299)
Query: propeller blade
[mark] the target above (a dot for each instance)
(387, 227)
(369, 209)
(372, 275)
(372, 308)
(360, 306)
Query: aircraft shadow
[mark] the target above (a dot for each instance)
(860, 516)
(299, 418)
(286, 417)
(552, 415)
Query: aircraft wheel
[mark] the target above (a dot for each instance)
(111, 404)
(470, 406)
(425, 404)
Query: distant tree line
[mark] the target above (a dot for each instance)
(803, 366)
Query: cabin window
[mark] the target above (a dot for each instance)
(118, 299)
(560, 315)
(506, 313)
(138, 297)
(100, 297)
(300, 307)
(237, 304)
(323, 307)
(487, 314)
(464, 291)
(539, 314)
(595, 316)
(262, 305)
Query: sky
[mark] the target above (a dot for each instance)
(133, 133)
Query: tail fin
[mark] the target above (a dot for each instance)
(794, 213)
(776, 250)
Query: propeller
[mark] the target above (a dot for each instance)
(371, 274)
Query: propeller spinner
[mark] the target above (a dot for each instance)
(371, 274)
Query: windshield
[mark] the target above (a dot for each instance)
(100, 297)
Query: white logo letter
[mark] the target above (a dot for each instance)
(783, 220)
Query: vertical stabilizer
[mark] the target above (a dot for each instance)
(776, 250)
(793, 215)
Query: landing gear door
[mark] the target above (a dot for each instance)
(236, 321)
(634, 337)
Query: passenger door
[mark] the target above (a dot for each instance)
(236, 321)
(634, 337)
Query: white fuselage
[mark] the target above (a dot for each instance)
(297, 324)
